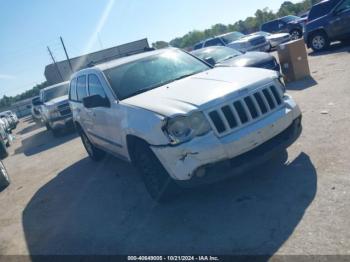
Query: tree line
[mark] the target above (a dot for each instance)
(6, 101)
(249, 25)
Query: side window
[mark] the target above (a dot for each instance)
(270, 26)
(345, 5)
(81, 88)
(95, 86)
(213, 42)
(73, 90)
(281, 24)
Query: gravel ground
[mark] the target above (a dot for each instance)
(60, 202)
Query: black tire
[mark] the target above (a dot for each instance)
(295, 34)
(3, 150)
(4, 178)
(160, 186)
(319, 41)
(95, 153)
(48, 127)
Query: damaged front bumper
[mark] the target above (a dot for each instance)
(194, 161)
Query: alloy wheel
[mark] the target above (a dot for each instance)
(295, 35)
(318, 42)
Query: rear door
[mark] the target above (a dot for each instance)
(82, 112)
(339, 24)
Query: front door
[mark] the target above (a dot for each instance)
(107, 121)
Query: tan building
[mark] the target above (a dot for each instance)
(56, 75)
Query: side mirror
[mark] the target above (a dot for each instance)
(96, 101)
(210, 61)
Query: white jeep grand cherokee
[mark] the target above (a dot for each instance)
(178, 120)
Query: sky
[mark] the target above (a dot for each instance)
(28, 27)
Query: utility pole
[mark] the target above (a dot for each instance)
(53, 59)
(64, 48)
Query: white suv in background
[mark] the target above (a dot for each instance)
(54, 107)
(176, 118)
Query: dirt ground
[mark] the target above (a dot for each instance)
(60, 202)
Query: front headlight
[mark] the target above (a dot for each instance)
(183, 128)
(54, 113)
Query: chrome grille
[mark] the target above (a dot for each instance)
(64, 109)
(237, 113)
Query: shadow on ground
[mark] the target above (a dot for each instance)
(302, 84)
(103, 208)
(338, 47)
(43, 140)
(30, 128)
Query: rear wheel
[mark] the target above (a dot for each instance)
(159, 184)
(296, 34)
(95, 153)
(319, 41)
(4, 178)
(48, 127)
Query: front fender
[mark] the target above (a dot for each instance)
(146, 125)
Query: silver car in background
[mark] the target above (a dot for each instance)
(274, 39)
(238, 41)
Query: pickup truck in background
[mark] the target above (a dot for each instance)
(54, 107)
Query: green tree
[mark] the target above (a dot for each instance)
(160, 44)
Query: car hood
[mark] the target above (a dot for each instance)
(277, 36)
(247, 59)
(245, 39)
(201, 91)
(57, 101)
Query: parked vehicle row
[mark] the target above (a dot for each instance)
(326, 22)
(8, 122)
(176, 118)
(224, 56)
(238, 41)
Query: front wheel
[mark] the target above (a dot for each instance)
(157, 181)
(3, 150)
(4, 178)
(94, 153)
(319, 41)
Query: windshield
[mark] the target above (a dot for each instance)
(218, 54)
(153, 71)
(55, 92)
(228, 38)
